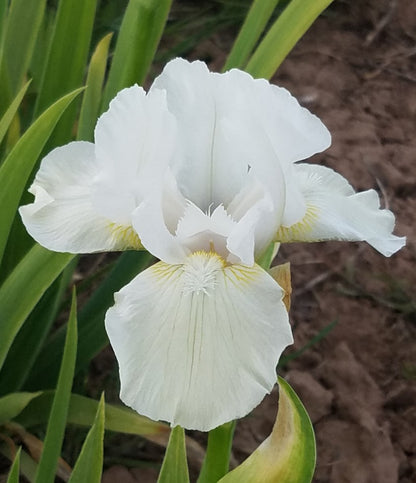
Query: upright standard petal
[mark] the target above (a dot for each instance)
(207, 170)
(208, 354)
(63, 217)
(336, 212)
(232, 123)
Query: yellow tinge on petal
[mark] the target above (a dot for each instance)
(125, 236)
(298, 231)
(201, 270)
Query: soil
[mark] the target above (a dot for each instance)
(356, 70)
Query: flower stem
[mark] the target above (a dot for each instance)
(217, 458)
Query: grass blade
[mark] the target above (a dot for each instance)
(175, 467)
(91, 100)
(139, 36)
(16, 169)
(57, 419)
(89, 465)
(294, 21)
(23, 288)
(254, 24)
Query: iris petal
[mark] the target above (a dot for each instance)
(149, 221)
(207, 170)
(336, 212)
(134, 143)
(63, 217)
(208, 354)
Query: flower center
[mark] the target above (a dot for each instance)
(207, 232)
(200, 272)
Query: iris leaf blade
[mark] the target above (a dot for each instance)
(3, 20)
(14, 470)
(13, 404)
(58, 415)
(23, 288)
(65, 64)
(40, 54)
(11, 111)
(89, 464)
(140, 31)
(31, 337)
(82, 411)
(91, 100)
(27, 465)
(21, 28)
(66, 61)
(175, 467)
(253, 26)
(288, 454)
(294, 21)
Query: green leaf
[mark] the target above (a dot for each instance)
(254, 24)
(3, 22)
(22, 25)
(91, 101)
(92, 334)
(13, 404)
(14, 470)
(89, 465)
(217, 459)
(139, 36)
(16, 169)
(57, 418)
(27, 464)
(11, 111)
(23, 288)
(266, 258)
(288, 455)
(294, 21)
(68, 51)
(31, 337)
(66, 62)
(39, 57)
(175, 467)
(82, 411)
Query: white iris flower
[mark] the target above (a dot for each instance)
(201, 172)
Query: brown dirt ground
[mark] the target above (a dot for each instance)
(356, 70)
